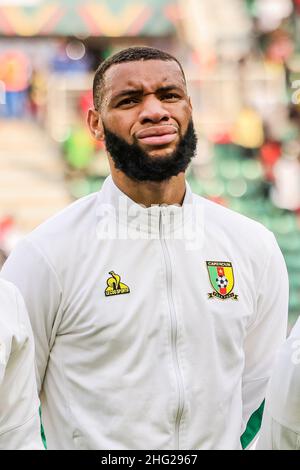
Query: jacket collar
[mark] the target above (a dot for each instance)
(116, 209)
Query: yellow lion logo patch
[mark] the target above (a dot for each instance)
(115, 286)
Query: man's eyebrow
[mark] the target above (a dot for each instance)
(139, 91)
(169, 88)
(128, 92)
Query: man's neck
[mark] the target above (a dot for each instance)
(149, 193)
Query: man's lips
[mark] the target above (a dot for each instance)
(157, 135)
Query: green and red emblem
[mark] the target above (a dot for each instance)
(222, 280)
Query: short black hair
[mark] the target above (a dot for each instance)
(131, 54)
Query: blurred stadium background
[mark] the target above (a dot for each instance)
(242, 60)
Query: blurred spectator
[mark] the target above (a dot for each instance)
(270, 152)
(85, 102)
(248, 130)
(15, 72)
(286, 191)
(79, 147)
(37, 94)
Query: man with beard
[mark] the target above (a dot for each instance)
(156, 313)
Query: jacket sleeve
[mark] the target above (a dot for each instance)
(19, 404)
(29, 269)
(281, 421)
(264, 337)
(275, 436)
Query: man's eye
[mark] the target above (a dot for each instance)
(128, 102)
(171, 97)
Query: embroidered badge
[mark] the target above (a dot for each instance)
(222, 280)
(114, 286)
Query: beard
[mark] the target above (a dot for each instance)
(132, 160)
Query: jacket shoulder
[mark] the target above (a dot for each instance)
(232, 222)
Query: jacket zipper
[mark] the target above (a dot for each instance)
(174, 331)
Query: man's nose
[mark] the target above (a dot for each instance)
(153, 110)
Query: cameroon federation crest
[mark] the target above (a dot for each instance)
(222, 280)
(115, 286)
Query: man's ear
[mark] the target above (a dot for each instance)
(190, 103)
(94, 122)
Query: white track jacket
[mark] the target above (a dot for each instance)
(19, 404)
(281, 421)
(155, 328)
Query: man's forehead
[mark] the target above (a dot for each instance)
(142, 74)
